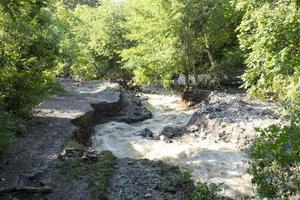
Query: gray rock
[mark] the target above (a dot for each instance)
(169, 132)
(148, 195)
(147, 133)
(233, 118)
(133, 110)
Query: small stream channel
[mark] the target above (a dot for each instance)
(209, 161)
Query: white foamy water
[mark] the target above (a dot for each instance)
(207, 160)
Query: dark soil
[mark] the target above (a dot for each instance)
(144, 179)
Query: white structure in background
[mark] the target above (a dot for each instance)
(194, 79)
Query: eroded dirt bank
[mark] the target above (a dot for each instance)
(34, 165)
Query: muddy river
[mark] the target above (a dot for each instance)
(207, 160)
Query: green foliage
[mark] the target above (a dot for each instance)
(92, 38)
(217, 45)
(220, 40)
(97, 173)
(27, 56)
(172, 37)
(73, 3)
(153, 31)
(276, 161)
(269, 34)
(170, 183)
(73, 144)
(203, 192)
(7, 130)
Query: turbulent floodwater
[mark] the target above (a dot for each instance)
(207, 160)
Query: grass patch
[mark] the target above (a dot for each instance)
(172, 183)
(73, 144)
(203, 192)
(10, 126)
(175, 180)
(97, 173)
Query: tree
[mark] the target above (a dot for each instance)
(71, 4)
(153, 29)
(171, 37)
(269, 35)
(27, 56)
(27, 53)
(92, 39)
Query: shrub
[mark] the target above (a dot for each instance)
(9, 125)
(28, 48)
(203, 192)
(275, 165)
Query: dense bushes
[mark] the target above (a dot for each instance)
(92, 39)
(275, 162)
(269, 34)
(172, 37)
(203, 192)
(27, 56)
(7, 129)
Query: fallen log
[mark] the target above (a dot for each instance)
(26, 189)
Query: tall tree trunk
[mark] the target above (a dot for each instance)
(211, 59)
(186, 75)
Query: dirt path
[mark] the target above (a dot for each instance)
(30, 161)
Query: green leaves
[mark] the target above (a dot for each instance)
(92, 39)
(269, 34)
(276, 161)
(28, 48)
(153, 30)
(203, 192)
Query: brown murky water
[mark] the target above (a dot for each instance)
(210, 161)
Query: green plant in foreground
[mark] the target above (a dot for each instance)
(275, 165)
(9, 126)
(97, 173)
(171, 183)
(203, 192)
(72, 143)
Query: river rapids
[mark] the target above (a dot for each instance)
(208, 161)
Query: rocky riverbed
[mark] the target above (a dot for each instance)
(144, 131)
(209, 140)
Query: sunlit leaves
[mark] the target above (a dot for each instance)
(154, 33)
(28, 50)
(276, 162)
(269, 33)
(93, 39)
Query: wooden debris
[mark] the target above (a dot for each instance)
(26, 189)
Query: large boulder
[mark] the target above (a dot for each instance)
(194, 96)
(133, 109)
(147, 133)
(168, 133)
